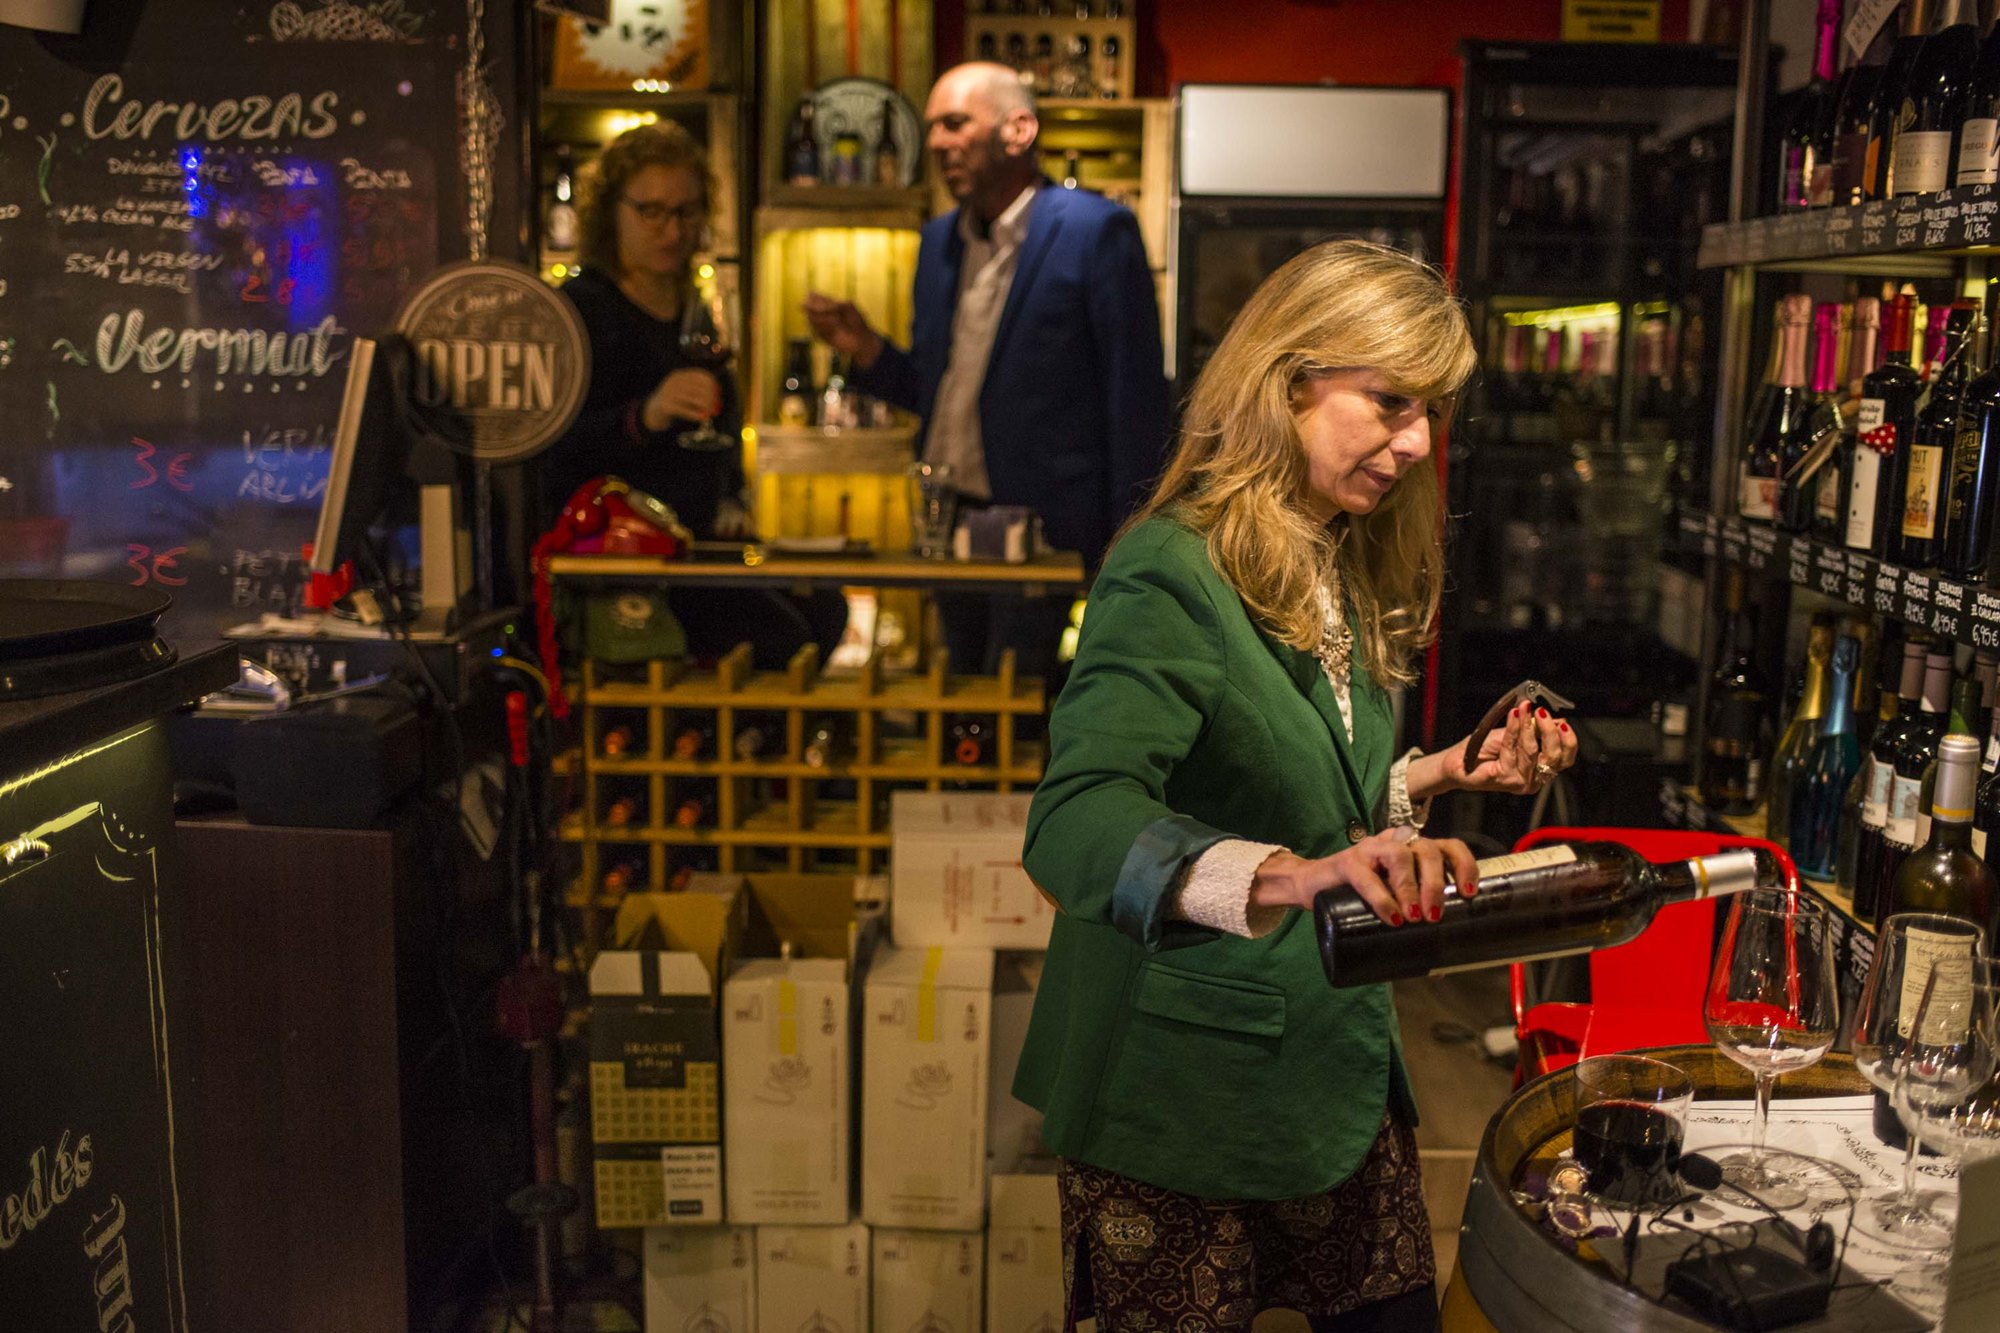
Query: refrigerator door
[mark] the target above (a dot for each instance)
(1247, 141)
(1223, 250)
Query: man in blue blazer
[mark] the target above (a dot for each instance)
(1034, 358)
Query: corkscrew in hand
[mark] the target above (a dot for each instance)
(1534, 747)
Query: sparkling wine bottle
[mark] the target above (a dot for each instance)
(1562, 899)
(1891, 98)
(1934, 98)
(1828, 771)
(1815, 489)
(1805, 167)
(1777, 443)
(1789, 758)
(1887, 420)
(1851, 119)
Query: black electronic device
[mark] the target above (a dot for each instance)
(1756, 1286)
(281, 763)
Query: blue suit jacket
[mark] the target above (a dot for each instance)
(1074, 413)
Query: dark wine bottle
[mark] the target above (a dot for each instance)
(1913, 755)
(1883, 429)
(1855, 811)
(1562, 899)
(1805, 149)
(1828, 771)
(1851, 120)
(1882, 753)
(1891, 98)
(1820, 478)
(1959, 721)
(697, 804)
(1788, 759)
(1934, 100)
(694, 740)
(617, 742)
(796, 394)
(1986, 808)
(802, 159)
(827, 742)
(971, 741)
(1777, 442)
(1736, 739)
(1979, 131)
(1917, 541)
(1974, 497)
(1945, 875)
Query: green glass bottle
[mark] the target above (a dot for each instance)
(1945, 875)
(1788, 760)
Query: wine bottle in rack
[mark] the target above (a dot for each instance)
(616, 742)
(1855, 814)
(827, 742)
(1891, 98)
(1851, 120)
(802, 158)
(1959, 721)
(1882, 752)
(970, 740)
(1736, 739)
(1828, 771)
(1934, 97)
(795, 392)
(1973, 500)
(1776, 426)
(696, 805)
(1566, 898)
(1986, 807)
(1946, 875)
(559, 223)
(1817, 485)
(1805, 169)
(695, 740)
(1919, 746)
(1917, 541)
(1979, 131)
(1789, 758)
(1883, 428)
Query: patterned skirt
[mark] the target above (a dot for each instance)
(1143, 1258)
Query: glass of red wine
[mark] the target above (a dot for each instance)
(705, 345)
(1631, 1120)
(1771, 1007)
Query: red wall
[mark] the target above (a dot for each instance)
(1306, 41)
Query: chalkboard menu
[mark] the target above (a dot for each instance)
(90, 1184)
(201, 206)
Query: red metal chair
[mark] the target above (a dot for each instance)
(1646, 992)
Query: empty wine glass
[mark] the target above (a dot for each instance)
(1772, 1008)
(1909, 946)
(1946, 1095)
(705, 345)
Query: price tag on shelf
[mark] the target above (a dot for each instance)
(1763, 542)
(1838, 238)
(1887, 600)
(1906, 226)
(1830, 571)
(1798, 566)
(1983, 620)
(1916, 598)
(1976, 215)
(1874, 225)
(1940, 224)
(1860, 572)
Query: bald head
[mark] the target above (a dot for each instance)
(982, 134)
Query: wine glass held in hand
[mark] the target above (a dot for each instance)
(1909, 948)
(705, 344)
(1771, 1007)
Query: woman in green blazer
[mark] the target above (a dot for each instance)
(1236, 1134)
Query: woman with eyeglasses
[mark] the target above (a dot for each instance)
(643, 214)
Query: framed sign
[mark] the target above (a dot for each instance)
(654, 45)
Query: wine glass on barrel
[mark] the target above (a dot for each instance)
(1772, 1008)
(705, 345)
(1631, 1120)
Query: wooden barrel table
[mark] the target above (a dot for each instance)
(1514, 1277)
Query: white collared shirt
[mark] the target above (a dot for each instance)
(985, 277)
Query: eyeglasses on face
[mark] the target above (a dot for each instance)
(655, 214)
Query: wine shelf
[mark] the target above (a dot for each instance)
(1950, 222)
(1964, 613)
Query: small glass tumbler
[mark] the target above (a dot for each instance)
(933, 509)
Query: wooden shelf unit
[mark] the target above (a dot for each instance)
(773, 810)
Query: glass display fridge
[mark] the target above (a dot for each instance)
(1586, 174)
(1263, 172)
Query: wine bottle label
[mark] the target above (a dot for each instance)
(1758, 497)
(1826, 505)
(1978, 153)
(1905, 804)
(1949, 958)
(1920, 509)
(1874, 414)
(1861, 491)
(1923, 161)
(1979, 843)
(1923, 827)
(1528, 860)
(1875, 795)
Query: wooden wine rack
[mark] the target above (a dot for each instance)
(773, 810)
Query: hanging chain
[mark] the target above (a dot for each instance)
(483, 121)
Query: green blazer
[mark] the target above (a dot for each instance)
(1200, 1062)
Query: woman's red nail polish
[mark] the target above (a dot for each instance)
(1562, 726)
(1436, 913)
(1541, 712)
(1395, 918)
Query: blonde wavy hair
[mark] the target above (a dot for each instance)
(1239, 474)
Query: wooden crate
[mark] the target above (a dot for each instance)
(747, 816)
